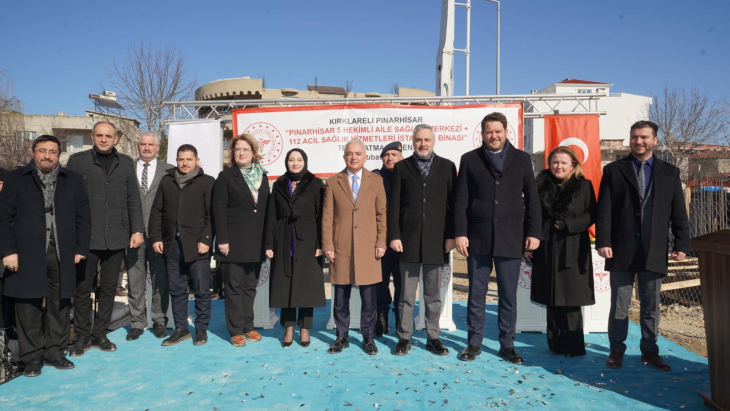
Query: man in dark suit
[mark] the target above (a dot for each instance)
(149, 172)
(116, 223)
(391, 154)
(41, 253)
(420, 228)
(180, 229)
(493, 224)
(640, 196)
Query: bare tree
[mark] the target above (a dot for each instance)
(14, 148)
(149, 76)
(348, 86)
(394, 89)
(686, 120)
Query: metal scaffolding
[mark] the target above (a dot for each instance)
(549, 104)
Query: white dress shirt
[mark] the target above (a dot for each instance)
(150, 171)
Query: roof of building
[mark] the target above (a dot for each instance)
(576, 81)
(328, 90)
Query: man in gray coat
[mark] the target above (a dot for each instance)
(116, 223)
(149, 173)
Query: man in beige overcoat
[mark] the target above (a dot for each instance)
(354, 240)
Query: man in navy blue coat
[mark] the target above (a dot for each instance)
(494, 224)
(45, 229)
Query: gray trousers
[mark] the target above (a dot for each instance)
(137, 261)
(622, 285)
(431, 294)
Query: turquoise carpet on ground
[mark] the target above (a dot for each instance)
(142, 375)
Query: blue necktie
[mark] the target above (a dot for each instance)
(355, 188)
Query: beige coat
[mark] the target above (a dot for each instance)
(354, 230)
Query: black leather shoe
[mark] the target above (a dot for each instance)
(33, 368)
(81, 345)
(338, 346)
(615, 360)
(437, 347)
(655, 361)
(402, 347)
(134, 333)
(61, 364)
(201, 337)
(381, 326)
(178, 335)
(510, 355)
(160, 331)
(103, 344)
(368, 344)
(470, 353)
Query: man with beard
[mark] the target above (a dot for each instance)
(40, 254)
(640, 198)
(493, 224)
(180, 229)
(421, 230)
(391, 154)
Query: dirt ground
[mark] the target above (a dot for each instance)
(681, 324)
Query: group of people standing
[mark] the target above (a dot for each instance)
(61, 226)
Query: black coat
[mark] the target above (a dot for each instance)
(420, 211)
(562, 269)
(618, 221)
(238, 221)
(186, 211)
(23, 230)
(298, 280)
(490, 211)
(116, 207)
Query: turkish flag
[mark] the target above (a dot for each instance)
(581, 133)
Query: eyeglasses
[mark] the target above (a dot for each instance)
(242, 150)
(43, 151)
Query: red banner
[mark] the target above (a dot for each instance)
(581, 133)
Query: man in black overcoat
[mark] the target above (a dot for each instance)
(420, 227)
(493, 224)
(390, 155)
(180, 229)
(45, 226)
(640, 199)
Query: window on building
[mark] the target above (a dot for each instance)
(584, 91)
(24, 139)
(73, 144)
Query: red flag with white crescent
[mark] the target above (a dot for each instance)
(581, 133)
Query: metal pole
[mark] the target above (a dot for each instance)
(498, 40)
(468, 36)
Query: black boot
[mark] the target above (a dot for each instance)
(381, 325)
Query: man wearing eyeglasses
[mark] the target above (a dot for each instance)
(116, 222)
(45, 226)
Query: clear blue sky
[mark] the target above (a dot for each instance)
(59, 51)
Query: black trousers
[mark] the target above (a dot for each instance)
(368, 310)
(565, 330)
(180, 275)
(240, 281)
(391, 267)
(44, 333)
(111, 263)
(479, 268)
(304, 320)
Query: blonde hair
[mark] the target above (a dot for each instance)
(577, 170)
(251, 140)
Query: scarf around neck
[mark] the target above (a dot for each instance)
(183, 179)
(424, 166)
(253, 175)
(496, 160)
(49, 186)
(296, 176)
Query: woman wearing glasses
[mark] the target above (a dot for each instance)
(294, 243)
(562, 271)
(240, 198)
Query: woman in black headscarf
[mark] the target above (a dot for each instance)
(294, 245)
